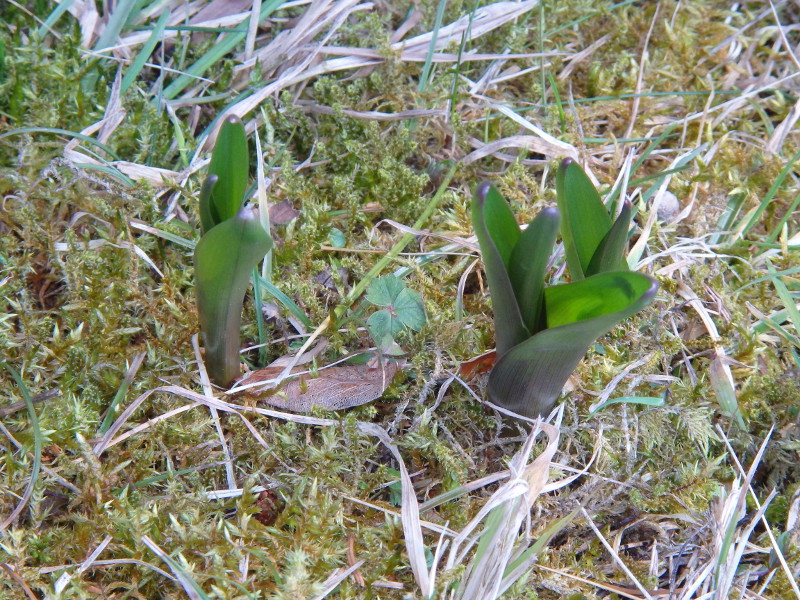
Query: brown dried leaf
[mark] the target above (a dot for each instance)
(477, 365)
(282, 212)
(335, 388)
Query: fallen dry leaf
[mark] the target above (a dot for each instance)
(477, 365)
(334, 388)
(282, 212)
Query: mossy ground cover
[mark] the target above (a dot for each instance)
(700, 97)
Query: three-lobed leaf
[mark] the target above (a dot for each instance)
(403, 309)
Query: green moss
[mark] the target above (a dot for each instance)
(77, 304)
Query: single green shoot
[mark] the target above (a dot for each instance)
(233, 244)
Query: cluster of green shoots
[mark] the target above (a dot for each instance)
(542, 332)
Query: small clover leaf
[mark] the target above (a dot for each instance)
(403, 309)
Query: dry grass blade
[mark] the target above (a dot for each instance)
(762, 506)
(65, 578)
(193, 591)
(335, 579)
(108, 440)
(409, 514)
(503, 514)
(486, 19)
(615, 556)
(531, 143)
(209, 392)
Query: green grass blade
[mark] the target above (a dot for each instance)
(725, 223)
(610, 254)
(108, 170)
(285, 301)
(223, 261)
(528, 379)
(230, 162)
(122, 391)
(529, 264)
(358, 289)
(37, 448)
(497, 233)
(784, 220)
(54, 16)
(585, 221)
(427, 67)
(144, 53)
(58, 131)
(213, 56)
(540, 543)
(645, 400)
(788, 302)
(770, 195)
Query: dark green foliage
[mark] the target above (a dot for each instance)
(542, 333)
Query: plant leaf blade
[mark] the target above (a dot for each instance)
(602, 294)
(497, 233)
(223, 261)
(610, 254)
(230, 163)
(528, 379)
(585, 221)
(528, 266)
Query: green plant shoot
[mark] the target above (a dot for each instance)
(543, 332)
(233, 243)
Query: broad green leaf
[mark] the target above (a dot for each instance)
(528, 266)
(384, 290)
(409, 309)
(610, 254)
(500, 221)
(230, 162)
(497, 233)
(223, 261)
(585, 221)
(528, 379)
(381, 325)
(596, 296)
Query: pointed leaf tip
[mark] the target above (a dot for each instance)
(482, 190)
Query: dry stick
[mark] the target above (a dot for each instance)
(18, 580)
(21, 405)
(362, 285)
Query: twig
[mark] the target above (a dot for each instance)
(37, 399)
